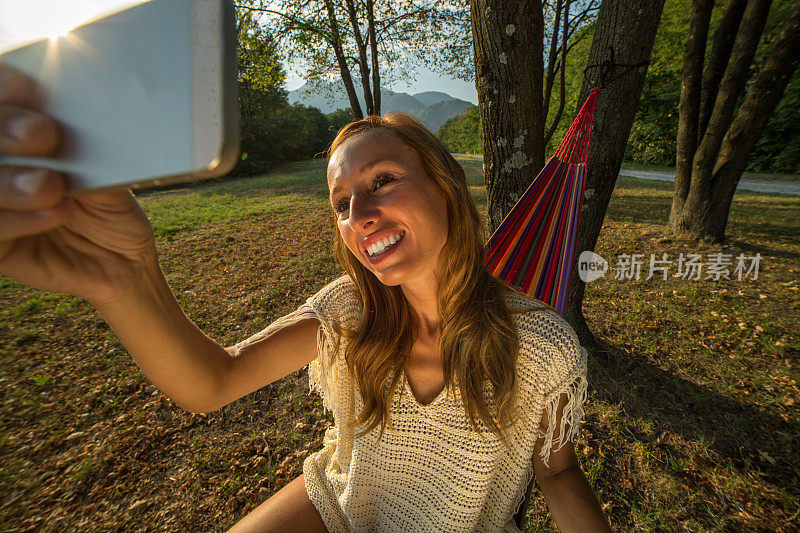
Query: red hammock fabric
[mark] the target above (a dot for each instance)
(533, 248)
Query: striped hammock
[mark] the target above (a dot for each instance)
(533, 248)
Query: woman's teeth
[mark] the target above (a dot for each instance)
(381, 246)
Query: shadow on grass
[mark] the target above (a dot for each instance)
(753, 216)
(737, 429)
(751, 249)
(645, 210)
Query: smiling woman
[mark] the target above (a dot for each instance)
(475, 387)
(379, 190)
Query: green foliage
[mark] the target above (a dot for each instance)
(339, 119)
(778, 149)
(653, 136)
(285, 133)
(463, 134)
(573, 76)
(41, 380)
(272, 130)
(260, 73)
(436, 34)
(654, 132)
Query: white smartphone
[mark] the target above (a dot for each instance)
(144, 97)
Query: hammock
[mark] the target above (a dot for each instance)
(533, 248)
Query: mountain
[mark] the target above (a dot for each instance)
(433, 108)
(437, 114)
(401, 102)
(304, 96)
(431, 97)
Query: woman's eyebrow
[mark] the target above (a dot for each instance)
(335, 189)
(363, 169)
(376, 161)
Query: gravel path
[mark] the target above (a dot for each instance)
(745, 184)
(771, 187)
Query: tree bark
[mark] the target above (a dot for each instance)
(373, 47)
(691, 91)
(630, 27)
(692, 214)
(760, 102)
(724, 38)
(507, 41)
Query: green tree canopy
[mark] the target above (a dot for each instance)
(654, 132)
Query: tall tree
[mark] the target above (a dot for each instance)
(509, 41)
(509, 81)
(261, 76)
(712, 146)
(509, 66)
(331, 36)
(557, 17)
(629, 26)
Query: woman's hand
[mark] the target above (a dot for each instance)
(92, 245)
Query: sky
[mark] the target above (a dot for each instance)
(23, 21)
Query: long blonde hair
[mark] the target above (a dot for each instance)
(477, 339)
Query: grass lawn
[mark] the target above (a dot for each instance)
(692, 425)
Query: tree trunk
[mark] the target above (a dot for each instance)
(630, 27)
(724, 38)
(344, 70)
(362, 58)
(507, 40)
(760, 102)
(373, 47)
(691, 92)
(692, 210)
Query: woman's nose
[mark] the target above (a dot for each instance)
(363, 212)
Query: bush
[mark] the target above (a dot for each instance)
(339, 119)
(463, 133)
(285, 133)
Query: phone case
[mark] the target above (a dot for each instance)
(146, 96)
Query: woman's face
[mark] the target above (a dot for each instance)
(379, 191)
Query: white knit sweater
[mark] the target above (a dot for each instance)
(433, 473)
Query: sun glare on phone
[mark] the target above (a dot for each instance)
(26, 21)
(56, 35)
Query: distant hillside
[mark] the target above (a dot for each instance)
(431, 97)
(437, 114)
(433, 108)
(401, 102)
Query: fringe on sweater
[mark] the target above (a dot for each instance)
(571, 415)
(323, 372)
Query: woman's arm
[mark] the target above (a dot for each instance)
(178, 358)
(570, 498)
(571, 501)
(99, 246)
(187, 365)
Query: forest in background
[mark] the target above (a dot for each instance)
(654, 132)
